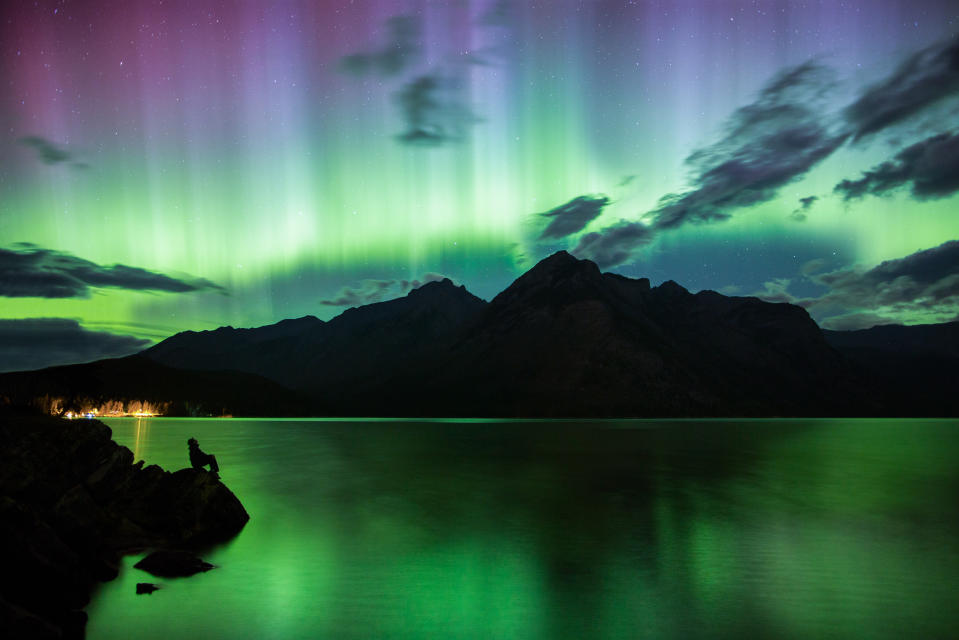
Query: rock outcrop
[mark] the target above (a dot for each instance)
(72, 501)
(173, 564)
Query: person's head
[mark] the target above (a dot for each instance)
(192, 443)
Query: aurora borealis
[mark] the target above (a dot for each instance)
(185, 165)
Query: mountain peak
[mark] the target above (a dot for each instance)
(559, 274)
(562, 262)
(559, 258)
(438, 287)
(445, 283)
(672, 288)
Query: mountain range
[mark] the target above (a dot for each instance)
(564, 339)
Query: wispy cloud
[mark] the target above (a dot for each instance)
(787, 131)
(371, 290)
(923, 285)
(434, 110)
(805, 204)
(572, 217)
(767, 144)
(929, 167)
(615, 244)
(50, 153)
(920, 81)
(27, 270)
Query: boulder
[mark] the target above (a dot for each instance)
(72, 501)
(173, 564)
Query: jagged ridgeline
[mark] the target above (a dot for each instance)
(563, 340)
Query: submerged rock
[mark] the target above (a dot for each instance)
(146, 587)
(71, 501)
(173, 564)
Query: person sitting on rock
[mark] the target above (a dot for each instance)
(199, 459)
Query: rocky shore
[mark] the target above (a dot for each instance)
(72, 501)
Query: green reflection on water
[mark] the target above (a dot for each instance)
(562, 529)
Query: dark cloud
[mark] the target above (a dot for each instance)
(573, 216)
(784, 133)
(854, 321)
(433, 105)
(400, 51)
(923, 285)
(813, 266)
(930, 167)
(931, 275)
(799, 215)
(776, 290)
(429, 276)
(49, 153)
(615, 244)
(31, 271)
(370, 291)
(767, 144)
(921, 80)
(34, 343)
(434, 110)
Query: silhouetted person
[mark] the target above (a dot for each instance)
(199, 459)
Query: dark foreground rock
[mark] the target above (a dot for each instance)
(71, 502)
(173, 564)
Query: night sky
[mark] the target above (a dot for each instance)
(185, 165)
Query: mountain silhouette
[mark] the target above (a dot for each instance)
(564, 339)
(359, 346)
(915, 369)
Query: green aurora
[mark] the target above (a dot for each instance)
(291, 156)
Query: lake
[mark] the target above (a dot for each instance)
(561, 529)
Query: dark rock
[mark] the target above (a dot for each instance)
(172, 564)
(146, 587)
(71, 501)
(17, 622)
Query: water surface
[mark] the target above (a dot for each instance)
(562, 529)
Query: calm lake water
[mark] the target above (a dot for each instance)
(515, 530)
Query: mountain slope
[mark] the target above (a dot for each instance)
(914, 368)
(312, 354)
(249, 350)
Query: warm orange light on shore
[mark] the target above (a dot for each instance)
(102, 409)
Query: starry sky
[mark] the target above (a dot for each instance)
(170, 165)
